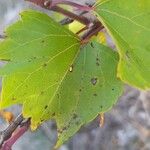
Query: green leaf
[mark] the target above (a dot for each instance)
(48, 74)
(128, 22)
(39, 52)
(91, 87)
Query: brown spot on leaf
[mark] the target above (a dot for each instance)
(53, 114)
(58, 95)
(95, 94)
(97, 61)
(74, 116)
(127, 54)
(13, 98)
(64, 128)
(42, 92)
(44, 65)
(46, 107)
(94, 81)
(77, 123)
(60, 131)
(92, 45)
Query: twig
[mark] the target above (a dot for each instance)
(52, 3)
(93, 30)
(58, 9)
(67, 20)
(82, 30)
(19, 132)
(40, 3)
(66, 2)
(7, 133)
(71, 15)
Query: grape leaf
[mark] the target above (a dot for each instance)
(128, 22)
(48, 74)
(91, 87)
(39, 52)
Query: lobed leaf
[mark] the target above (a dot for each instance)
(128, 22)
(90, 88)
(39, 52)
(52, 78)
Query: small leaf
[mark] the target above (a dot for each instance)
(89, 89)
(128, 22)
(39, 52)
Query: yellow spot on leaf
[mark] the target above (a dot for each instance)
(101, 37)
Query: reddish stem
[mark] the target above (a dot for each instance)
(92, 31)
(66, 2)
(19, 132)
(97, 26)
(83, 29)
(50, 6)
(69, 14)
(38, 2)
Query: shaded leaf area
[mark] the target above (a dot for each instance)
(39, 52)
(91, 87)
(128, 22)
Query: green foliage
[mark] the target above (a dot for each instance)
(53, 76)
(128, 23)
(84, 91)
(39, 52)
(41, 72)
